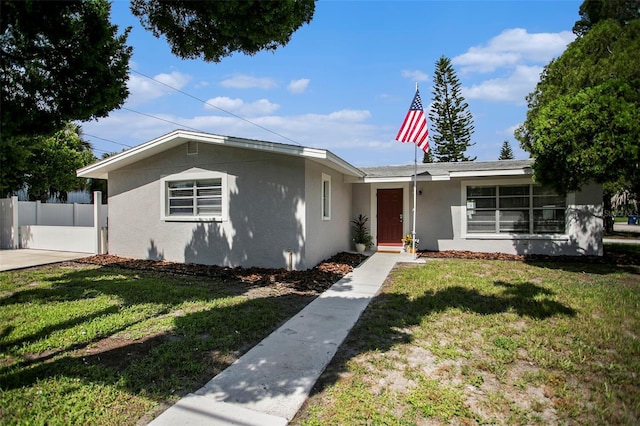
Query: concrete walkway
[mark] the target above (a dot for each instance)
(27, 258)
(269, 384)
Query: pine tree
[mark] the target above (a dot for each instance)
(506, 153)
(451, 121)
(428, 157)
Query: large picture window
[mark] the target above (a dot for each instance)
(514, 209)
(194, 198)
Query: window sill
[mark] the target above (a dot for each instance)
(554, 237)
(192, 219)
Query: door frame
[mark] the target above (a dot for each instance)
(406, 206)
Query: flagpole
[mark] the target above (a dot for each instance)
(414, 129)
(415, 193)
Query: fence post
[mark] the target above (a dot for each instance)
(15, 223)
(38, 212)
(75, 214)
(97, 220)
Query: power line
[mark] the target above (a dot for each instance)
(214, 106)
(106, 140)
(161, 119)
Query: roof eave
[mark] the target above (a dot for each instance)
(101, 169)
(492, 173)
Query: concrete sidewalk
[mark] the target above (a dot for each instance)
(27, 258)
(269, 384)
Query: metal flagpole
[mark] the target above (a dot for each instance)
(415, 192)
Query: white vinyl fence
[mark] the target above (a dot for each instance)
(64, 227)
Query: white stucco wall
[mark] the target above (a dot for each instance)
(326, 237)
(266, 210)
(440, 214)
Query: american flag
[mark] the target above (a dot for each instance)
(414, 128)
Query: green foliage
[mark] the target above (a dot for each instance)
(584, 115)
(506, 153)
(103, 346)
(361, 232)
(15, 156)
(49, 170)
(61, 61)
(216, 29)
(594, 11)
(451, 121)
(491, 342)
(428, 156)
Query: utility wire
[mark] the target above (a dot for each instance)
(213, 106)
(107, 140)
(161, 119)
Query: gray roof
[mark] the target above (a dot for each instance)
(445, 169)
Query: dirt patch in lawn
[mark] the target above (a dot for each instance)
(118, 352)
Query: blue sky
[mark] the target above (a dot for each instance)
(347, 79)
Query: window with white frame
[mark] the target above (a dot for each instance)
(194, 197)
(326, 197)
(514, 209)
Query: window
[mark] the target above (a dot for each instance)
(326, 197)
(514, 209)
(197, 197)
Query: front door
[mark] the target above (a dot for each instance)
(390, 217)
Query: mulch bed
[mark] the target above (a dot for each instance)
(608, 258)
(328, 272)
(316, 279)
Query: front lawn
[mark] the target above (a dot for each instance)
(490, 342)
(91, 345)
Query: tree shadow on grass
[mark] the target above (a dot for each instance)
(200, 344)
(386, 320)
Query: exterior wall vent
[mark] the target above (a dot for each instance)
(192, 148)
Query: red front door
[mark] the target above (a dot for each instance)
(390, 216)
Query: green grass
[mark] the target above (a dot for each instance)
(490, 342)
(621, 219)
(90, 345)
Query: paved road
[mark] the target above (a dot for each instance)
(623, 227)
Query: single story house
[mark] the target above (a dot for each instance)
(203, 198)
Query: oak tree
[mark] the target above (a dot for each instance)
(213, 30)
(583, 122)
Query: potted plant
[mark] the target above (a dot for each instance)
(407, 243)
(361, 236)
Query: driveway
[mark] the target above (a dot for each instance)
(26, 258)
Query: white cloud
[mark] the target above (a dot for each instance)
(415, 75)
(513, 88)
(142, 89)
(243, 81)
(298, 86)
(338, 130)
(238, 106)
(350, 115)
(509, 131)
(513, 47)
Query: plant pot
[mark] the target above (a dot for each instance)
(360, 247)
